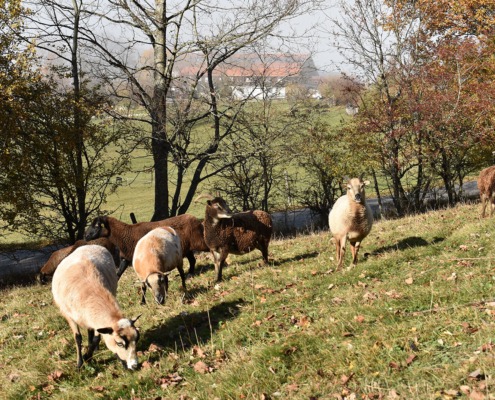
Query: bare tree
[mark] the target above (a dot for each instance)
(116, 31)
(376, 44)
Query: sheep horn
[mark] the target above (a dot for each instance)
(203, 196)
(133, 320)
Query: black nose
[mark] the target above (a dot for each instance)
(357, 197)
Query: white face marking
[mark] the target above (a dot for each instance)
(124, 323)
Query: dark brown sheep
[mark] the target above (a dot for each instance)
(125, 236)
(57, 256)
(235, 233)
(486, 186)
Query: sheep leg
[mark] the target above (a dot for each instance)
(182, 277)
(93, 342)
(492, 205)
(483, 205)
(192, 262)
(219, 261)
(342, 251)
(354, 250)
(337, 250)
(123, 266)
(264, 252)
(143, 291)
(78, 338)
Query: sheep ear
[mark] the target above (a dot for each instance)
(105, 331)
(366, 183)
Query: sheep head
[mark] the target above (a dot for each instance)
(355, 189)
(98, 228)
(158, 284)
(218, 208)
(121, 339)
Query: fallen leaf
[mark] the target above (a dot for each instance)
(392, 395)
(55, 375)
(451, 392)
(475, 395)
(411, 358)
(369, 296)
(293, 387)
(393, 294)
(344, 379)
(146, 365)
(304, 321)
(98, 388)
(477, 374)
(463, 247)
(155, 348)
(409, 281)
(394, 365)
(465, 389)
(198, 352)
(359, 318)
(201, 367)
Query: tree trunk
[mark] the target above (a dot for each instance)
(159, 144)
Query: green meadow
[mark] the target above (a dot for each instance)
(415, 319)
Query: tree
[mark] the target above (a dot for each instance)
(212, 32)
(43, 170)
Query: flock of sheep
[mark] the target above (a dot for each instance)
(85, 276)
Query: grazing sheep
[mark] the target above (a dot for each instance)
(156, 254)
(486, 186)
(126, 236)
(350, 219)
(57, 256)
(84, 287)
(234, 233)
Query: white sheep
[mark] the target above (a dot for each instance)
(157, 254)
(350, 219)
(84, 287)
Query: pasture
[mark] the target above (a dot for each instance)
(414, 319)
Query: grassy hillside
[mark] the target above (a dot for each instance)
(414, 320)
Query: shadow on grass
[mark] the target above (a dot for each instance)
(280, 261)
(187, 329)
(407, 243)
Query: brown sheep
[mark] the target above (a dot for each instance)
(486, 186)
(57, 256)
(234, 233)
(157, 254)
(125, 236)
(350, 219)
(84, 287)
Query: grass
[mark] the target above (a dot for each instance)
(413, 320)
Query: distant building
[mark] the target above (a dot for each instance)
(250, 75)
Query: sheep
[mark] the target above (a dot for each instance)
(238, 233)
(84, 287)
(125, 236)
(486, 186)
(57, 256)
(350, 219)
(158, 253)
